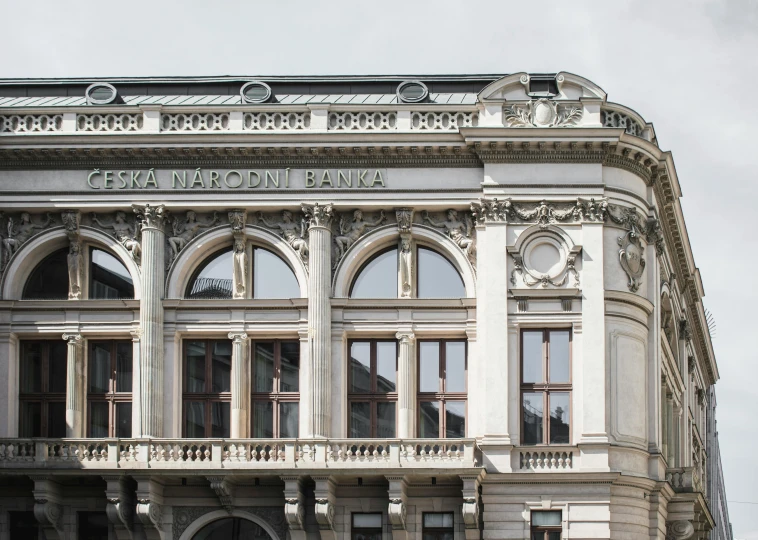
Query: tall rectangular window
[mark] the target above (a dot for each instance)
(372, 388)
(366, 527)
(42, 389)
(546, 525)
(207, 388)
(109, 394)
(442, 378)
(545, 386)
(276, 389)
(438, 526)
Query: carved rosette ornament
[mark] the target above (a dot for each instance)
(397, 514)
(679, 530)
(543, 113)
(324, 514)
(294, 512)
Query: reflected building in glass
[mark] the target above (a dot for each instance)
(290, 308)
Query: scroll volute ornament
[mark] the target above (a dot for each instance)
(679, 530)
(294, 512)
(324, 514)
(397, 514)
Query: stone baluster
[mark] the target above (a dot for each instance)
(239, 427)
(74, 386)
(319, 312)
(154, 219)
(406, 385)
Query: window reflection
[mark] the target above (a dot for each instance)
(109, 278)
(214, 279)
(49, 280)
(378, 278)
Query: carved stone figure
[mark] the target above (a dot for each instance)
(406, 266)
(318, 215)
(185, 231)
(458, 231)
(350, 231)
(292, 232)
(240, 268)
(124, 233)
(18, 234)
(404, 217)
(75, 267)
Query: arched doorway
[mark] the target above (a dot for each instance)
(232, 528)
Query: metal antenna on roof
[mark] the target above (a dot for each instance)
(711, 322)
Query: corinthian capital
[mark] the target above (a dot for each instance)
(318, 215)
(151, 217)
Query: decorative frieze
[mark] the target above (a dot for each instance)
(542, 213)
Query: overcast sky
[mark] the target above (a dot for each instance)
(689, 67)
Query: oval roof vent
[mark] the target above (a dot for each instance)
(255, 92)
(412, 91)
(100, 94)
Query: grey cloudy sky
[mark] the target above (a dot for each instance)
(690, 67)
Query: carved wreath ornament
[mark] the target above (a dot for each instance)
(542, 113)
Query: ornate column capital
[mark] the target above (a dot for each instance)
(405, 336)
(318, 215)
(73, 339)
(238, 337)
(136, 334)
(151, 217)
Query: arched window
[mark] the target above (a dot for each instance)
(436, 277)
(109, 278)
(378, 277)
(49, 280)
(271, 276)
(232, 529)
(214, 278)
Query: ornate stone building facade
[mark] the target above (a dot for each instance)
(368, 307)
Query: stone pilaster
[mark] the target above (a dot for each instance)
(136, 381)
(151, 320)
(240, 422)
(74, 386)
(406, 385)
(319, 312)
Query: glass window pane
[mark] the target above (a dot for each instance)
(196, 366)
(57, 362)
(378, 278)
(124, 351)
(532, 352)
(98, 419)
(214, 280)
(546, 519)
(289, 373)
(99, 368)
(92, 525)
(109, 277)
(360, 420)
(559, 356)
(220, 418)
(367, 521)
(23, 525)
(437, 535)
(30, 419)
(385, 419)
(56, 419)
(360, 367)
(429, 420)
(123, 420)
(49, 280)
(455, 366)
(437, 277)
(221, 366)
(386, 366)
(31, 368)
(455, 419)
(195, 421)
(272, 277)
(289, 420)
(554, 535)
(429, 366)
(559, 417)
(263, 419)
(263, 374)
(438, 520)
(532, 418)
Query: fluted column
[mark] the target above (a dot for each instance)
(406, 385)
(74, 386)
(319, 312)
(153, 220)
(239, 427)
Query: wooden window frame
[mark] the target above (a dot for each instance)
(365, 530)
(546, 387)
(276, 396)
(372, 397)
(207, 397)
(441, 395)
(112, 397)
(44, 397)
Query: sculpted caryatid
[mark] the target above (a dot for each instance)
(293, 233)
(406, 266)
(18, 234)
(124, 233)
(240, 269)
(186, 230)
(457, 230)
(350, 231)
(74, 259)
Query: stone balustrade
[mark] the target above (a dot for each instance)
(684, 479)
(237, 453)
(547, 459)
